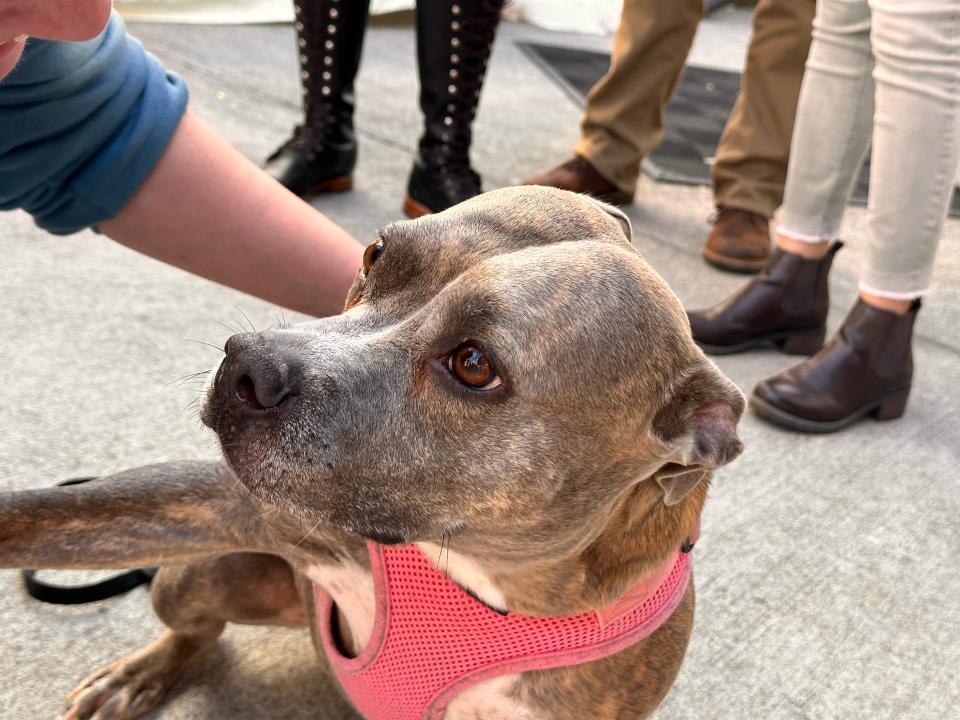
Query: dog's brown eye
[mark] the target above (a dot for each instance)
(470, 365)
(371, 254)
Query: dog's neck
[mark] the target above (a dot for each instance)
(640, 534)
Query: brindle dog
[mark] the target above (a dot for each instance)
(509, 380)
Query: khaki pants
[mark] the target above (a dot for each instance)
(624, 116)
(881, 73)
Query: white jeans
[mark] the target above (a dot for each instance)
(890, 70)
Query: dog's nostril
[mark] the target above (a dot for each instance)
(261, 394)
(247, 392)
(262, 371)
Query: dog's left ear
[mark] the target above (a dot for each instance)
(697, 430)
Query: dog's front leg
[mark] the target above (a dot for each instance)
(158, 514)
(195, 601)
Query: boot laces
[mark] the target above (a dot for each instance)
(473, 25)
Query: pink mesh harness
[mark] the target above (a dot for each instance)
(432, 640)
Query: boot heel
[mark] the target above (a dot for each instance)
(802, 344)
(414, 209)
(333, 185)
(893, 405)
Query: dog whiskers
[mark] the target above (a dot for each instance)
(281, 323)
(269, 512)
(230, 328)
(309, 533)
(236, 482)
(445, 537)
(186, 378)
(202, 342)
(240, 310)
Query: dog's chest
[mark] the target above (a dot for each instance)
(351, 588)
(489, 700)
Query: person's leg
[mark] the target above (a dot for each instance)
(868, 366)
(832, 130)
(916, 144)
(453, 47)
(830, 137)
(751, 163)
(750, 168)
(322, 152)
(624, 115)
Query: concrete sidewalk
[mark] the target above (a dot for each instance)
(827, 576)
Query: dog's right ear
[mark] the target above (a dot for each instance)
(697, 430)
(618, 215)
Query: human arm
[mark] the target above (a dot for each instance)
(96, 135)
(207, 209)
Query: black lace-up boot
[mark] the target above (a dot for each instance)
(453, 46)
(323, 150)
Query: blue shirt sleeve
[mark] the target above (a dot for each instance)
(81, 127)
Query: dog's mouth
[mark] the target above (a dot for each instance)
(253, 434)
(386, 537)
(325, 501)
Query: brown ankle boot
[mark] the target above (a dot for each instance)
(579, 175)
(739, 241)
(784, 306)
(866, 369)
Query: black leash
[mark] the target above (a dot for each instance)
(79, 594)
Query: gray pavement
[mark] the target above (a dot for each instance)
(827, 575)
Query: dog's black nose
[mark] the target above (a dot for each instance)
(259, 371)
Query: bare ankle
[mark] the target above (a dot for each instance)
(803, 248)
(900, 307)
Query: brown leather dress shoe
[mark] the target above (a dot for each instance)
(784, 306)
(739, 241)
(866, 369)
(580, 176)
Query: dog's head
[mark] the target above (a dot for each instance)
(508, 368)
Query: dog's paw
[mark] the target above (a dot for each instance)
(130, 687)
(116, 692)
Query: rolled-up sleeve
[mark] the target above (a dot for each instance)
(81, 127)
